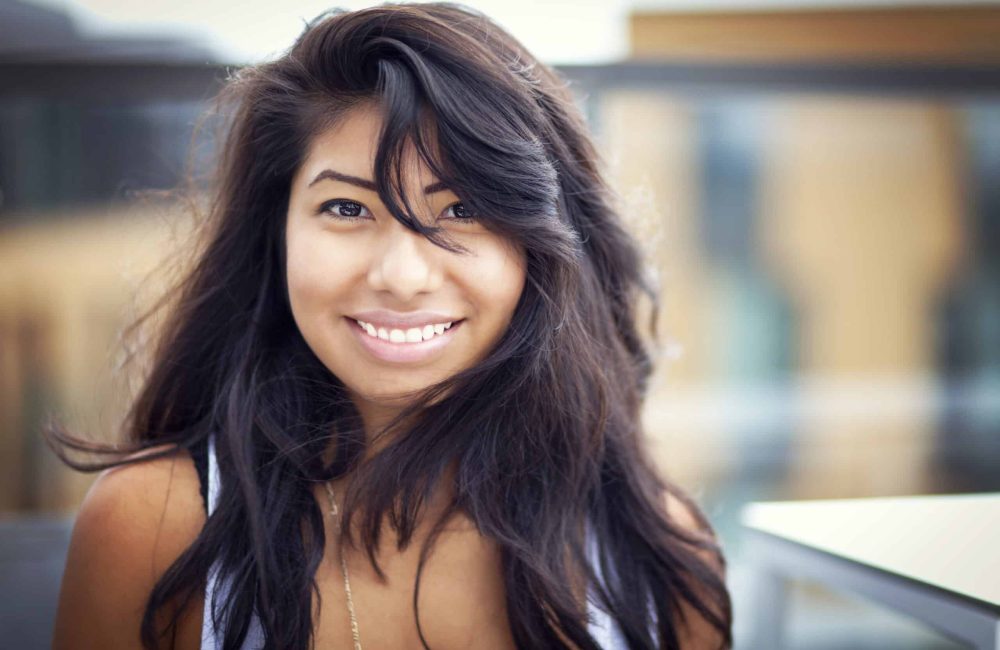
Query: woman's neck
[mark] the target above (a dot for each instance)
(374, 418)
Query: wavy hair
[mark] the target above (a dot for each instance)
(543, 434)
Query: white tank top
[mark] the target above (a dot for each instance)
(602, 627)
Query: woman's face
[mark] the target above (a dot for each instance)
(385, 309)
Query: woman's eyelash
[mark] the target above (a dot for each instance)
(355, 210)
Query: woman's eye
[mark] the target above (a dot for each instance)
(460, 212)
(344, 209)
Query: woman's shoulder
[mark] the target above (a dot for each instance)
(146, 490)
(135, 521)
(148, 498)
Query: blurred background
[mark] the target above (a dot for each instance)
(818, 183)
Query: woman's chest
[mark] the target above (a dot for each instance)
(461, 600)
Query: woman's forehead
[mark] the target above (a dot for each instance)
(349, 147)
(353, 137)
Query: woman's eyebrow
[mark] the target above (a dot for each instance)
(366, 184)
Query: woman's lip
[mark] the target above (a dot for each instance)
(402, 352)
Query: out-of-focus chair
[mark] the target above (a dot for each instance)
(933, 558)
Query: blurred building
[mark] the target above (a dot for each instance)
(824, 186)
(85, 126)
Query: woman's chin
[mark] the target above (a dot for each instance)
(386, 400)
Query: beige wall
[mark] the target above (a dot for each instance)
(859, 223)
(949, 33)
(68, 286)
(862, 213)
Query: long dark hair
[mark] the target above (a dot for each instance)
(544, 434)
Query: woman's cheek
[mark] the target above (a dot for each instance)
(495, 276)
(318, 264)
(501, 266)
(313, 275)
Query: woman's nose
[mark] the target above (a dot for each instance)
(404, 264)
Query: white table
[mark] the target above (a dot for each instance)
(935, 558)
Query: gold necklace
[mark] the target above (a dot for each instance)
(343, 567)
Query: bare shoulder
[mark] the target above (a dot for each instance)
(134, 522)
(695, 631)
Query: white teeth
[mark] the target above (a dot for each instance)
(411, 335)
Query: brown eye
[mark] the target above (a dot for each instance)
(460, 212)
(345, 209)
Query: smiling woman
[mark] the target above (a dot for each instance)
(396, 402)
(400, 313)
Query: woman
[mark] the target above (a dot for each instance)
(397, 400)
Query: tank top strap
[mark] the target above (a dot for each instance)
(602, 627)
(217, 589)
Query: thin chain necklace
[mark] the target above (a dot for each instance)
(334, 513)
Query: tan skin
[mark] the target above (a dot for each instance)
(137, 519)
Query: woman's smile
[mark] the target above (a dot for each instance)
(407, 342)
